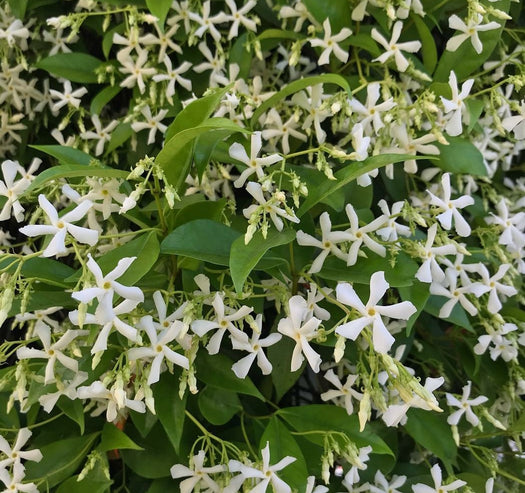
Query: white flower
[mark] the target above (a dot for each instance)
(222, 323)
(302, 333)
(314, 110)
(282, 131)
(464, 405)
(102, 135)
(469, 30)
(382, 485)
(14, 483)
(67, 96)
(114, 401)
(238, 16)
(330, 43)
(512, 226)
(60, 226)
(455, 107)
(450, 208)
(311, 488)
(135, 69)
(207, 23)
(494, 287)
(67, 388)
(15, 454)
(392, 230)
(344, 393)
(439, 487)
(360, 145)
(254, 164)
(327, 244)
(159, 349)
(430, 271)
(152, 122)
(255, 347)
(51, 352)
(173, 76)
(393, 48)
(370, 112)
(196, 474)
(371, 312)
(501, 346)
(11, 189)
(516, 123)
(266, 473)
(312, 298)
(352, 476)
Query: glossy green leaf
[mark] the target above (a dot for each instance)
(47, 270)
(201, 239)
(60, 460)
(402, 274)
(458, 316)
(95, 481)
(114, 439)
(460, 156)
(218, 406)
(174, 156)
(72, 171)
(325, 417)
(18, 8)
(282, 444)
(298, 85)
(76, 67)
(40, 299)
(464, 61)
(337, 11)
(103, 98)
(205, 209)
(64, 154)
(204, 147)
(431, 431)
(418, 295)
(278, 34)
(121, 134)
(216, 370)
(160, 9)
(170, 407)
(428, 48)
(74, 409)
(280, 355)
(241, 55)
(243, 258)
(346, 175)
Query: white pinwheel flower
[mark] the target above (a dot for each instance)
(313, 296)
(222, 323)
(51, 352)
(60, 226)
(455, 107)
(153, 123)
(114, 400)
(392, 230)
(371, 313)
(312, 488)
(370, 112)
(197, 474)
(254, 164)
(359, 464)
(11, 189)
(15, 454)
(293, 327)
(207, 22)
(494, 287)
(430, 271)
(382, 485)
(512, 226)
(450, 208)
(360, 143)
(100, 134)
(14, 483)
(327, 244)
(516, 123)
(136, 70)
(255, 349)
(468, 30)
(501, 346)
(67, 388)
(465, 406)
(313, 106)
(439, 487)
(266, 473)
(393, 48)
(360, 235)
(173, 76)
(67, 97)
(282, 130)
(330, 43)
(238, 16)
(159, 349)
(344, 393)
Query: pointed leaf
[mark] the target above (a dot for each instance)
(460, 156)
(218, 406)
(76, 67)
(65, 154)
(115, 439)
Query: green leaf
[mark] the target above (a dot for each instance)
(338, 11)
(40, 299)
(460, 156)
(103, 98)
(160, 9)
(279, 34)
(431, 430)
(458, 316)
(205, 209)
(282, 444)
(42, 269)
(95, 481)
(348, 174)
(170, 407)
(402, 274)
(72, 171)
(280, 355)
(418, 295)
(243, 258)
(121, 134)
(428, 48)
(464, 61)
(218, 406)
(115, 439)
(66, 155)
(145, 248)
(327, 417)
(18, 8)
(76, 67)
(174, 158)
(217, 371)
(196, 112)
(60, 460)
(241, 56)
(202, 239)
(204, 147)
(296, 86)
(74, 409)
